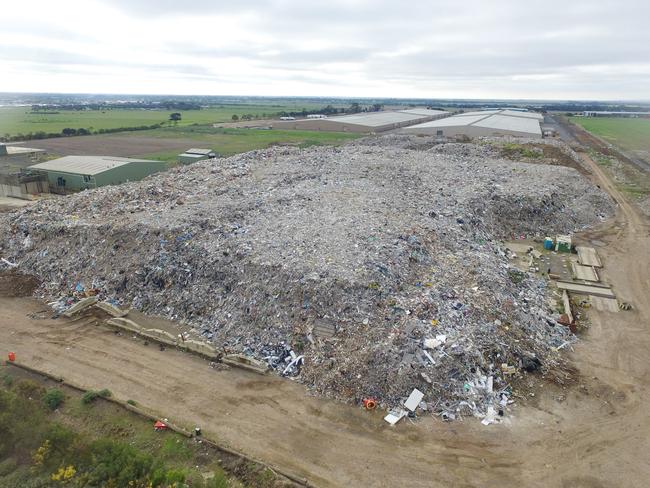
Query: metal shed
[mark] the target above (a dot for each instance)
(195, 154)
(72, 173)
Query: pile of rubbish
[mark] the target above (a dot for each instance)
(361, 270)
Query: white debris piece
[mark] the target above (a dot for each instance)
(414, 400)
(490, 416)
(8, 263)
(395, 416)
(435, 343)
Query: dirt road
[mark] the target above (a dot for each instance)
(593, 434)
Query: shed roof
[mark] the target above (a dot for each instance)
(504, 122)
(191, 155)
(455, 121)
(423, 111)
(378, 119)
(490, 119)
(86, 165)
(194, 150)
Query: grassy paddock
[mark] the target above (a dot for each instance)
(21, 120)
(234, 141)
(627, 133)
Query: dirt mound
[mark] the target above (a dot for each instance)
(15, 284)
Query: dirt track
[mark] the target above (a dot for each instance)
(598, 435)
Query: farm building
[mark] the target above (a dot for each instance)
(72, 173)
(193, 155)
(483, 123)
(365, 122)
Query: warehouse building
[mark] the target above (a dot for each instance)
(193, 155)
(365, 122)
(72, 173)
(483, 123)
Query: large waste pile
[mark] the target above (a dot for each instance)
(365, 270)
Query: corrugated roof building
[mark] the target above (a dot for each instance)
(365, 122)
(195, 154)
(483, 123)
(72, 173)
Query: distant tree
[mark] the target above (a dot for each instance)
(235, 117)
(83, 132)
(69, 132)
(355, 108)
(176, 116)
(376, 107)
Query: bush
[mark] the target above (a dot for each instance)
(29, 389)
(92, 395)
(7, 380)
(53, 398)
(131, 402)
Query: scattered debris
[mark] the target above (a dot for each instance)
(369, 403)
(350, 296)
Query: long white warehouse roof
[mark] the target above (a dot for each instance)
(85, 165)
(378, 119)
(490, 119)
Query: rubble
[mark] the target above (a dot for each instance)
(341, 267)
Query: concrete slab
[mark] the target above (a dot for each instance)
(583, 272)
(567, 305)
(588, 256)
(80, 306)
(586, 289)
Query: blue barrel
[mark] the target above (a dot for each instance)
(548, 244)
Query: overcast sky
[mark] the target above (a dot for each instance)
(552, 49)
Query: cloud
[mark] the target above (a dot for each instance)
(442, 48)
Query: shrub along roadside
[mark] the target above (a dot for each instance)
(53, 398)
(36, 451)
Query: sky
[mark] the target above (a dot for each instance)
(509, 49)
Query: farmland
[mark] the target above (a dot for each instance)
(629, 134)
(166, 143)
(21, 120)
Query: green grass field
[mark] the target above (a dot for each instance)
(628, 134)
(234, 141)
(21, 120)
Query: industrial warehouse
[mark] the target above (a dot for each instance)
(72, 173)
(365, 122)
(483, 123)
